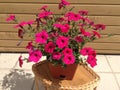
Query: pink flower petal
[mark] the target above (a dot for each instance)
(41, 37)
(69, 59)
(20, 61)
(34, 56)
(62, 42)
(10, 18)
(56, 56)
(49, 47)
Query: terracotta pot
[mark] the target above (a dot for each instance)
(59, 72)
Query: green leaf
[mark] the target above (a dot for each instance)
(109, 35)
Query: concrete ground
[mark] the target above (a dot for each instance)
(12, 77)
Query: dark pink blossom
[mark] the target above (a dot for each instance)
(63, 3)
(21, 24)
(29, 46)
(20, 33)
(91, 23)
(10, 18)
(20, 61)
(30, 22)
(92, 53)
(44, 14)
(61, 19)
(87, 34)
(92, 61)
(41, 37)
(83, 12)
(76, 17)
(99, 26)
(87, 21)
(44, 7)
(67, 51)
(65, 28)
(96, 34)
(34, 56)
(72, 16)
(69, 59)
(85, 51)
(49, 47)
(69, 14)
(56, 56)
(79, 39)
(62, 42)
(57, 25)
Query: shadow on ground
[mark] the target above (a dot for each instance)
(18, 80)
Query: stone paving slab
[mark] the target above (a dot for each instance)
(114, 61)
(16, 79)
(10, 60)
(13, 77)
(102, 64)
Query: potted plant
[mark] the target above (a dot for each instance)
(61, 38)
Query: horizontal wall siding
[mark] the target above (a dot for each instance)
(108, 20)
(21, 8)
(71, 1)
(100, 11)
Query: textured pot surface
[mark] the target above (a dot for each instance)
(59, 72)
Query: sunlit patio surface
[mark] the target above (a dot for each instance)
(12, 77)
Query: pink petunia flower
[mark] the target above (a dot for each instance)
(87, 34)
(67, 51)
(92, 61)
(65, 28)
(56, 56)
(44, 7)
(62, 42)
(92, 53)
(85, 51)
(91, 23)
(83, 12)
(76, 17)
(49, 47)
(96, 34)
(20, 61)
(57, 25)
(21, 24)
(79, 39)
(63, 3)
(72, 16)
(87, 21)
(10, 18)
(30, 22)
(44, 14)
(99, 26)
(69, 14)
(69, 59)
(34, 56)
(41, 37)
(29, 46)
